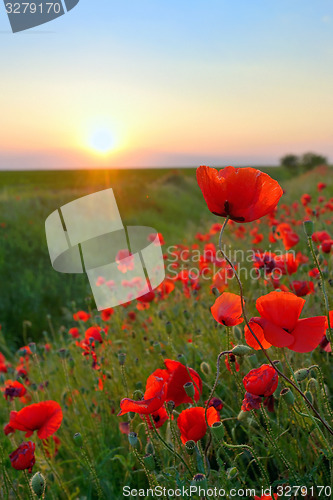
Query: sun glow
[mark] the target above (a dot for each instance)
(102, 141)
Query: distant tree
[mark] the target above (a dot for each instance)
(312, 160)
(291, 162)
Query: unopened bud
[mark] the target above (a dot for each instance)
(237, 333)
(215, 291)
(231, 473)
(149, 462)
(241, 350)
(218, 430)
(205, 368)
(38, 484)
(308, 227)
(78, 440)
(189, 389)
(288, 396)
(242, 415)
(190, 447)
(186, 314)
(301, 374)
(133, 439)
(181, 358)
(149, 448)
(63, 353)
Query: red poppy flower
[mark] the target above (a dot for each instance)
(251, 402)
(74, 332)
(44, 417)
(192, 423)
(24, 456)
(302, 288)
(3, 367)
(81, 316)
(13, 389)
(159, 417)
(288, 236)
(216, 402)
(176, 375)
(106, 314)
(125, 261)
(227, 309)
(261, 381)
(243, 194)
(281, 325)
(8, 430)
(94, 332)
(152, 401)
(320, 236)
(326, 246)
(321, 186)
(305, 199)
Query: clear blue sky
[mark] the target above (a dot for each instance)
(171, 82)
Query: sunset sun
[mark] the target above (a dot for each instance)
(101, 141)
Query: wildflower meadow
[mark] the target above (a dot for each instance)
(215, 384)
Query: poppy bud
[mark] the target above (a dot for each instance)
(168, 327)
(78, 440)
(38, 484)
(242, 415)
(237, 333)
(189, 389)
(171, 406)
(308, 228)
(121, 358)
(218, 430)
(190, 447)
(149, 462)
(186, 314)
(241, 350)
(301, 374)
(308, 394)
(288, 396)
(215, 291)
(231, 473)
(33, 387)
(133, 439)
(205, 368)
(32, 346)
(149, 448)
(200, 481)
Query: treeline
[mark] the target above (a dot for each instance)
(299, 164)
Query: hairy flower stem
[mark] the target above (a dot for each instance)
(31, 495)
(167, 446)
(330, 430)
(93, 473)
(323, 289)
(255, 456)
(6, 476)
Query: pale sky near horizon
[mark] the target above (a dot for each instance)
(177, 83)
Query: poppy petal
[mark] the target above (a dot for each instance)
(281, 308)
(274, 334)
(258, 331)
(308, 333)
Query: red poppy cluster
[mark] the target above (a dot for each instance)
(259, 383)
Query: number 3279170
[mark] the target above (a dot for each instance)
(33, 8)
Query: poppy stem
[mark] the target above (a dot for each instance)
(167, 446)
(31, 495)
(323, 289)
(330, 430)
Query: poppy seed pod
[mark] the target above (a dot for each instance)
(301, 374)
(200, 481)
(218, 430)
(190, 447)
(38, 484)
(133, 439)
(189, 389)
(288, 396)
(308, 228)
(78, 440)
(121, 358)
(170, 406)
